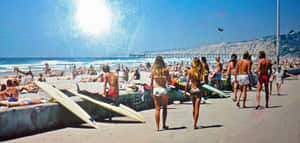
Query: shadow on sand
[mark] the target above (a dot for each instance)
(116, 121)
(175, 128)
(254, 107)
(211, 126)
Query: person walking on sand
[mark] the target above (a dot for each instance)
(263, 71)
(206, 73)
(218, 73)
(242, 77)
(278, 75)
(112, 80)
(159, 78)
(231, 69)
(197, 76)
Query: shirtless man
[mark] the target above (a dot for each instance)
(231, 69)
(113, 82)
(12, 91)
(218, 73)
(263, 71)
(242, 77)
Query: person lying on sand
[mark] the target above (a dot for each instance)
(50, 73)
(99, 78)
(16, 69)
(22, 102)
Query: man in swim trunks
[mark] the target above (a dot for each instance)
(113, 82)
(218, 73)
(12, 91)
(230, 75)
(242, 77)
(263, 71)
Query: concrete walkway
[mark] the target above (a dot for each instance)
(220, 119)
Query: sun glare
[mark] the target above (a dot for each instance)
(93, 16)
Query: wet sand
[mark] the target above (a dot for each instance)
(220, 121)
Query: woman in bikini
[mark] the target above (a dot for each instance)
(197, 76)
(159, 78)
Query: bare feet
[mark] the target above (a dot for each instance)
(258, 107)
(238, 104)
(165, 127)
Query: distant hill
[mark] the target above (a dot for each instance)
(289, 46)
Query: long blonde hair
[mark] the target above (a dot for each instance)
(159, 66)
(197, 69)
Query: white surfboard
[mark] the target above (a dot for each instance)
(122, 110)
(66, 102)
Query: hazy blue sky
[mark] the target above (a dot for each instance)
(60, 28)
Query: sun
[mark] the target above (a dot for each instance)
(93, 17)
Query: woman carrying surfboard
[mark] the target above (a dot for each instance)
(160, 77)
(197, 76)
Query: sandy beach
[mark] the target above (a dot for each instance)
(220, 121)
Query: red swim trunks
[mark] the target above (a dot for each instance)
(263, 79)
(112, 93)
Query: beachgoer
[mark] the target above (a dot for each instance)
(3, 93)
(91, 70)
(278, 75)
(197, 77)
(12, 91)
(206, 74)
(159, 78)
(112, 80)
(41, 78)
(218, 73)
(263, 71)
(50, 73)
(231, 69)
(137, 74)
(242, 77)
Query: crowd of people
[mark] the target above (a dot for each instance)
(241, 74)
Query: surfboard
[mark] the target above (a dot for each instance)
(122, 110)
(66, 102)
(132, 111)
(212, 89)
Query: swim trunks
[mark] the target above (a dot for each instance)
(12, 99)
(112, 93)
(243, 79)
(279, 76)
(159, 91)
(263, 79)
(232, 79)
(218, 76)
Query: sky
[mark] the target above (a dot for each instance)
(105, 28)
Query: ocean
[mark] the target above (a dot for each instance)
(37, 64)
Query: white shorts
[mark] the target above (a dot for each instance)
(243, 79)
(159, 91)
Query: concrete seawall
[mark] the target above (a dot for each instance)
(21, 121)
